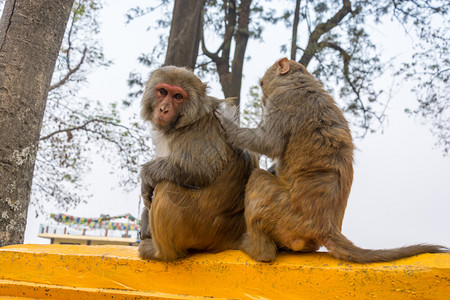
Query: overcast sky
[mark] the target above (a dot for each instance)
(401, 188)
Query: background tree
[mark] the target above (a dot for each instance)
(30, 37)
(75, 130)
(185, 32)
(246, 19)
(429, 67)
(330, 37)
(335, 44)
(233, 29)
(226, 23)
(335, 47)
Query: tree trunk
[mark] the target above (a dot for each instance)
(241, 38)
(295, 29)
(31, 32)
(185, 31)
(231, 81)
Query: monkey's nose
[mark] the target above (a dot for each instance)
(164, 110)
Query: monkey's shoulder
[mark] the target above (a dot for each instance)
(203, 139)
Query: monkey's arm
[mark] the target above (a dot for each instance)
(153, 172)
(160, 169)
(257, 140)
(157, 170)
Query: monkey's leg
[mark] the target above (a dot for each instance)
(263, 194)
(259, 246)
(166, 250)
(151, 248)
(144, 232)
(166, 224)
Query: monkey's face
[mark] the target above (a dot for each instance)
(174, 97)
(169, 98)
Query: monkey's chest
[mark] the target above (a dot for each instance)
(161, 144)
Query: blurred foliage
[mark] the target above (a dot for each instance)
(348, 63)
(429, 67)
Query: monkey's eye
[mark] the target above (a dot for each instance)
(178, 96)
(163, 91)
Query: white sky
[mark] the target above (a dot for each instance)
(401, 188)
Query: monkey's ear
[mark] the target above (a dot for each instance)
(283, 65)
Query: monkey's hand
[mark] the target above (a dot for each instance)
(230, 127)
(242, 138)
(151, 174)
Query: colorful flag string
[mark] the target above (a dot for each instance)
(104, 222)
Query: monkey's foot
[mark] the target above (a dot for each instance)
(310, 246)
(265, 250)
(264, 257)
(144, 235)
(147, 249)
(297, 244)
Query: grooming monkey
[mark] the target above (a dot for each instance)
(197, 180)
(301, 207)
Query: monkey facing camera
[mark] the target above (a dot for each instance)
(300, 204)
(194, 189)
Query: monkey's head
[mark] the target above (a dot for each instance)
(278, 74)
(174, 97)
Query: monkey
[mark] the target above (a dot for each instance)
(194, 189)
(299, 205)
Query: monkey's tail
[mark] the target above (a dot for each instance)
(340, 247)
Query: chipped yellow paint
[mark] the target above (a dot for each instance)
(116, 272)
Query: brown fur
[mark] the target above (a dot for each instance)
(198, 186)
(302, 207)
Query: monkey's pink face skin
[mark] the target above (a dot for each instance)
(169, 97)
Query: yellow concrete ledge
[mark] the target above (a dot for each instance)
(116, 272)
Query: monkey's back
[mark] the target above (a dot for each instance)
(317, 162)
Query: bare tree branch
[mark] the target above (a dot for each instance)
(321, 29)
(70, 72)
(213, 56)
(82, 127)
(357, 91)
